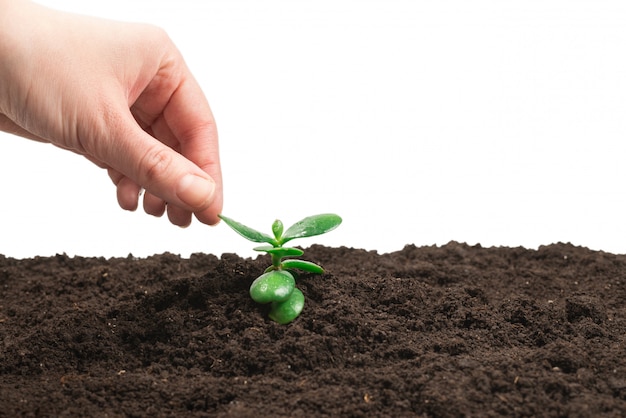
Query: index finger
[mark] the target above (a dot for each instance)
(189, 117)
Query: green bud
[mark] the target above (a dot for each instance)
(277, 229)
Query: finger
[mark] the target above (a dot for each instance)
(153, 205)
(161, 130)
(157, 127)
(178, 216)
(127, 190)
(189, 118)
(160, 170)
(128, 194)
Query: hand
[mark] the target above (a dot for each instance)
(121, 95)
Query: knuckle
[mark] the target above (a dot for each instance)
(154, 166)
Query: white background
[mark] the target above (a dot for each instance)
(419, 122)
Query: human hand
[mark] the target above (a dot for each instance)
(121, 95)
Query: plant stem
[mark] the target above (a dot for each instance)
(276, 261)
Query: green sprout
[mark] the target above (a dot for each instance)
(277, 284)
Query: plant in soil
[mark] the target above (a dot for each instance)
(277, 285)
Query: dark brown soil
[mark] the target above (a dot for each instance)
(435, 332)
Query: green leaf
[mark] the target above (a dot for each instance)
(311, 226)
(247, 232)
(287, 311)
(302, 265)
(277, 229)
(280, 251)
(275, 286)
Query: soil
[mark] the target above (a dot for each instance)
(441, 331)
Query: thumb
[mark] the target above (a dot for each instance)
(161, 171)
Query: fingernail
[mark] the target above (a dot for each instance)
(195, 191)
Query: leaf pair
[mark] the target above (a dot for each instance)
(307, 227)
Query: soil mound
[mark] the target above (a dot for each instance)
(446, 331)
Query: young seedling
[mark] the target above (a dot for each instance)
(277, 284)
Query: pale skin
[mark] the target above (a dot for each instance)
(119, 94)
